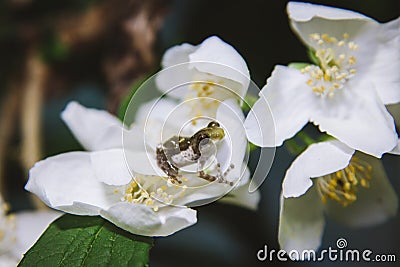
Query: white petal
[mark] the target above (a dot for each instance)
(213, 57)
(177, 54)
(175, 80)
(81, 208)
(228, 63)
(171, 75)
(301, 223)
(305, 11)
(317, 160)
(142, 220)
(29, 227)
(396, 150)
(94, 129)
(374, 205)
(142, 162)
(133, 138)
(110, 166)
(65, 181)
(289, 99)
(199, 192)
(358, 118)
(384, 69)
(8, 260)
(307, 19)
(381, 67)
(202, 194)
(241, 196)
(390, 30)
(230, 117)
(160, 119)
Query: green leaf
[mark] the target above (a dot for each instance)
(127, 99)
(252, 146)
(297, 144)
(248, 102)
(298, 65)
(52, 49)
(87, 241)
(314, 59)
(325, 137)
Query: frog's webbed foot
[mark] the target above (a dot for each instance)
(219, 177)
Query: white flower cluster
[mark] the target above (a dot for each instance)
(19, 231)
(344, 93)
(119, 177)
(129, 180)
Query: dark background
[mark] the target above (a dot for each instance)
(225, 235)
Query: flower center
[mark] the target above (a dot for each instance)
(205, 99)
(146, 191)
(204, 89)
(341, 186)
(336, 64)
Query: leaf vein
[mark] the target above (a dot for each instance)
(91, 243)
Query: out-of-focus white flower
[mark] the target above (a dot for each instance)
(119, 179)
(8, 236)
(356, 73)
(210, 72)
(19, 231)
(351, 188)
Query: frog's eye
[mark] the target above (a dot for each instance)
(213, 124)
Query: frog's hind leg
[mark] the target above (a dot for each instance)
(205, 176)
(231, 166)
(220, 177)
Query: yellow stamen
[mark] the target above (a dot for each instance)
(342, 186)
(336, 64)
(150, 194)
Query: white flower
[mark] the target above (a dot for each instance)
(351, 188)
(29, 227)
(344, 94)
(160, 120)
(138, 199)
(19, 231)
(210, 72)
(7, 235)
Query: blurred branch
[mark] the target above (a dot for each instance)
(131, 56)
(36, 76)
(137, 61)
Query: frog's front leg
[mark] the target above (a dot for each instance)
(165, 165)
(219, 177)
